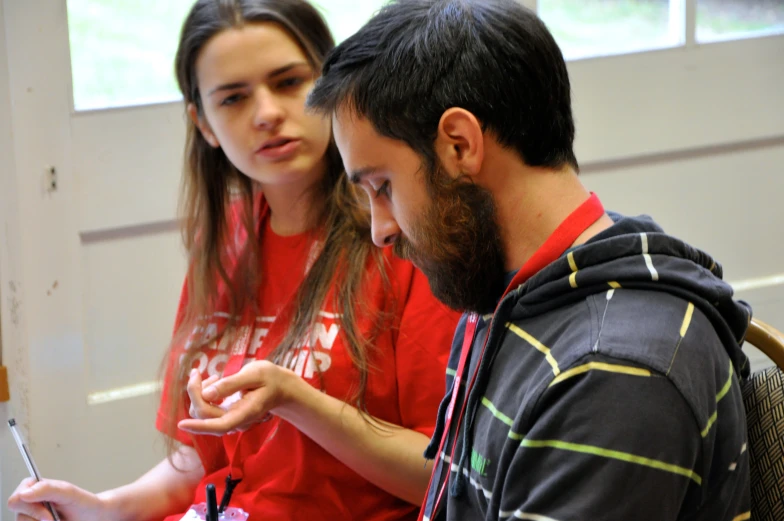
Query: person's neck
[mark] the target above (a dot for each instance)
(531, 203)
(293, 209)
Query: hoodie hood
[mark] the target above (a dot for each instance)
(635, 253)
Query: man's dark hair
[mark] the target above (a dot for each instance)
(417, 58)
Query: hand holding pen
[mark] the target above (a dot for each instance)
(31, 467)
(46, 499)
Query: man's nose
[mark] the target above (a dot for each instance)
(384, 227)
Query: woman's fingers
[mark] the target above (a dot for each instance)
(251, 409)
(254, 375)
(209, 381)
(26, 501)
(29, 511)
(200, 408)
(237, 402)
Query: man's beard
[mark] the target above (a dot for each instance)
(457, 245)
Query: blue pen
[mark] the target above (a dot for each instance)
(31, 464)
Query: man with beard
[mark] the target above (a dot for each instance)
(595, 374)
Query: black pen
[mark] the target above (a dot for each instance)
(28, 458)
(212, 503)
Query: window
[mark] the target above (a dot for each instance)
(345, 17)
(730, 19)
(588, 28)
(122, 51)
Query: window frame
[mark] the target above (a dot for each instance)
(695, 95)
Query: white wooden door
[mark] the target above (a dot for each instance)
(98, 267)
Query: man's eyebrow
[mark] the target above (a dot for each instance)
(356, 175)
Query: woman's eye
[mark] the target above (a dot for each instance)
(231, 100)
(290, 82)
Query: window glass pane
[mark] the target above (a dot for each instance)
(345, 17)
(122, 51)
(588, 28)
(729, 19)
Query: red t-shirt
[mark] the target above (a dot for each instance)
(286, 474)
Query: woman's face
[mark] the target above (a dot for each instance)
(253, 82)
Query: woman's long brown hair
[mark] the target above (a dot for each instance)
(211, 184)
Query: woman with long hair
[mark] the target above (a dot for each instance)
(307, 365)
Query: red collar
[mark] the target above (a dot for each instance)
(560, 240)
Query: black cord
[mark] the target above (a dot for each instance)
(230, 486)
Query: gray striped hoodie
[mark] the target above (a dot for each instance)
(609, 390)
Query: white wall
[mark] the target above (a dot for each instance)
(12, 309)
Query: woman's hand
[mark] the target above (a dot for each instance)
(387, 455)
(239, 401)
(71, 502)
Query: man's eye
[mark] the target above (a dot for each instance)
(383, 189)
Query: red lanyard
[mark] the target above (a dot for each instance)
(561, 240)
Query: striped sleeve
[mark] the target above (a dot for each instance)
(609, 441)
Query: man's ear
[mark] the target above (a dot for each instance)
(460, 142)
(202, 125)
